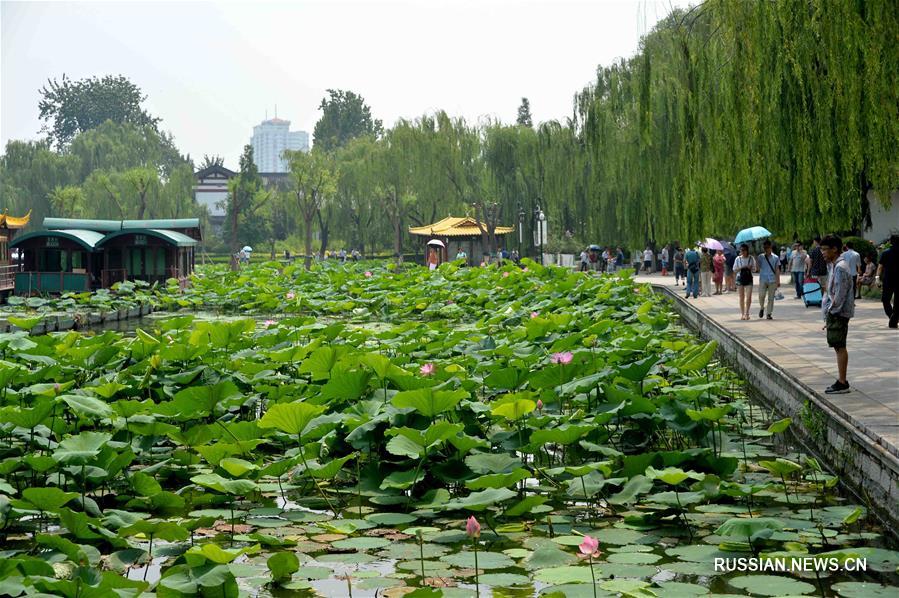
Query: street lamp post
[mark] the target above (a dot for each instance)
(540, 230)
(520, 228)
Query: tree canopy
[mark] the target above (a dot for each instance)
(345, 115)
(72, 107)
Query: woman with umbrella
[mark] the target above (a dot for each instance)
(717, 262)
(718, 267)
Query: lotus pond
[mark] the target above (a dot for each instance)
(452, 433)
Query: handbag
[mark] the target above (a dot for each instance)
(745, 276)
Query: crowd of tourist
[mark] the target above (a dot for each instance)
(831, 270)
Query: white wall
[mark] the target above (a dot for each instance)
(883, 221)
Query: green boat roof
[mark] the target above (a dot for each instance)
(88, 239)
(108, 226)
(172, 237)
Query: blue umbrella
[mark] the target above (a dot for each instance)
(752, 233)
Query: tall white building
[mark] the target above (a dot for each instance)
(272, 137)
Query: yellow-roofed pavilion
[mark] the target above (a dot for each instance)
(457, 233)
(9, 225)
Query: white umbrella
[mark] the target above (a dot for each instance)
(247, 248)
(436, 242)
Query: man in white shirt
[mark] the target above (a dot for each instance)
(647, 259)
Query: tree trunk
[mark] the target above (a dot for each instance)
(307, 219)
(398, 232)
(234, 209)
(323, 226)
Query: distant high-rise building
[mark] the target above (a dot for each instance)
(270, 139)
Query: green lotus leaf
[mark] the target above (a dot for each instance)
(78, 450)
(290, 418)
(427, 401)
(771, 585)
(282, 565)
(47, 499)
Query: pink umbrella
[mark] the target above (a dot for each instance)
(712, 244)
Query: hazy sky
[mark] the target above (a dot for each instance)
(212, 70)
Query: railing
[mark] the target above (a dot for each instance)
(110, 277)
(51, 282)
(8, 277)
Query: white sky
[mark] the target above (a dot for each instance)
(211, 70)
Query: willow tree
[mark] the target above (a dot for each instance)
(740, 113)
(312, 181)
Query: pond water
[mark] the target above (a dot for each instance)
(337, 455)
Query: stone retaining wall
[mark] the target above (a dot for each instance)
(849, 450)
(81, 320)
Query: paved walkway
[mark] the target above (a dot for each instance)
(794, 341)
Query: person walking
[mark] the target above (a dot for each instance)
(797, 268)
(585, 261)
(854, 261)
(679, 268)
(718, 267)
(744, 264)
(647, 259)
(838, 307)
(730, 285)
(705, 272)
(888, 274)
(691, 261)
(769, 279)
(817, 266)
(663, 258)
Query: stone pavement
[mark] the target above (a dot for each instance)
(795, 341)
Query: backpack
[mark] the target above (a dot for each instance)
(692, 265)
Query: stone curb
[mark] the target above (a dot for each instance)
(864, 460)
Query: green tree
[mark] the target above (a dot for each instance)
(71, 107)
(345, 116)
(246, 196)
(524, 114)
(313, 181)
(144, 182)
(67, 202)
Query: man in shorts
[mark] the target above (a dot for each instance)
(838, 306)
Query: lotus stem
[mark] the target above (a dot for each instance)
(477, 574)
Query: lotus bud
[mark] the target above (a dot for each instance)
(473, 528)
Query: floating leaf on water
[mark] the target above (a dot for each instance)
(677, 589)
(486, 560)
(391, 519)
(566, 574)
(633, 558)
(503, 579)
(859, 589)
(771, 585)
(362, 543)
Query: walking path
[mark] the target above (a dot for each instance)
(795, 342)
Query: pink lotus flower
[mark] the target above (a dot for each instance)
(534, 314)
(539, 405)
(427, 369)
(367, 274)
(505, 275)
(589, 547)
(562, 358)
(269, 323)
(473, 528)
(525, 269)
(291, 295)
